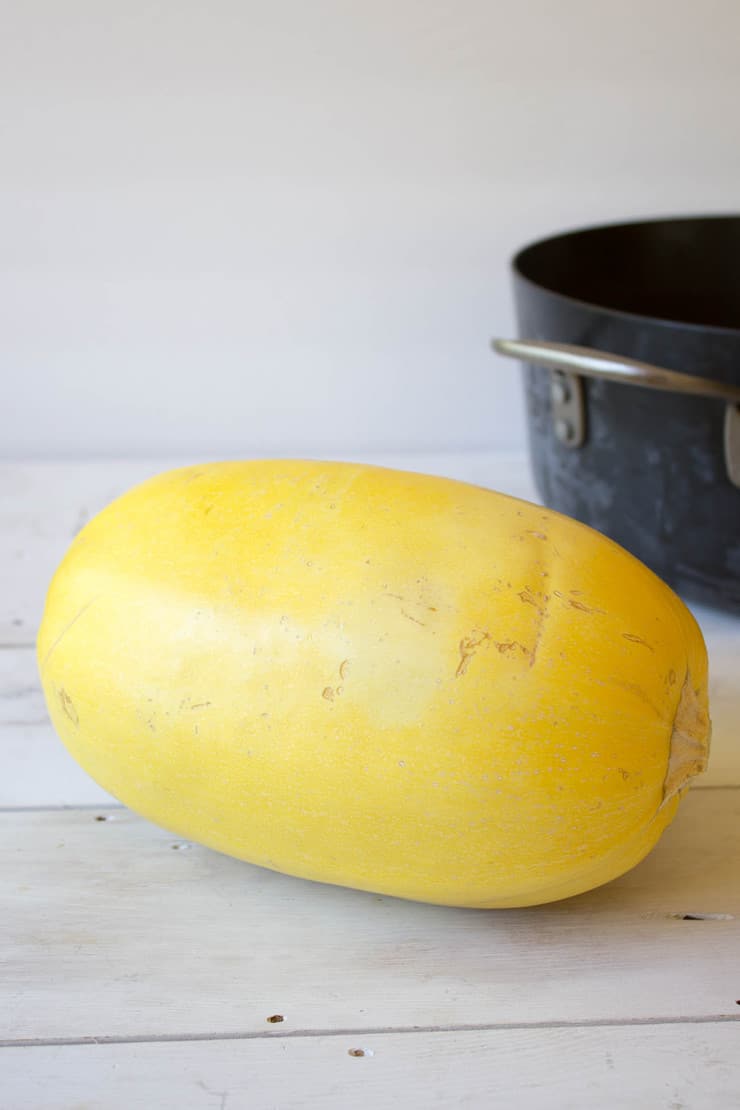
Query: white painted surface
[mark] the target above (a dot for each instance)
(690, 1067)
(108, 931)
(244, 226)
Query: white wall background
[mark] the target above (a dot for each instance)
(244, 227)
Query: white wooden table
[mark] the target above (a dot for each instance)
(143, 972)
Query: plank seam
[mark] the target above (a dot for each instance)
(83, 807)
(369, 1031)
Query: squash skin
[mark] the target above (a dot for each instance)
(378, 679)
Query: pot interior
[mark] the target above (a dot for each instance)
(687, 270)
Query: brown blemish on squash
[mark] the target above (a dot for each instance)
(572, 603)
(511, 648)
(583, 608)
(528, 598)
(420, 604)
(343, 667)
(637, 640)
(328, 693)
(409, 617)
(468, 647)
(638, 692)
(68, 707)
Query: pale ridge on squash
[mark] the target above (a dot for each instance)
(690, 741)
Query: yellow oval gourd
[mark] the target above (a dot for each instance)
(375, 678)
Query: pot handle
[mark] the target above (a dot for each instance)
(569, 363)
(612, 368)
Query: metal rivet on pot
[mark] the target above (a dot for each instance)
(564, 431)
(559, 391)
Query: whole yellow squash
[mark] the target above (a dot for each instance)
(375, 678)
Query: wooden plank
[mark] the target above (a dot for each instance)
(36, 767)
(722, 635)
(37, 770)
(43, 506)
(21, 698)
(676, 1067)
(115, 928)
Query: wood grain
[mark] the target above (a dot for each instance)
(116, 928)
(669, 1067)
(113, 929)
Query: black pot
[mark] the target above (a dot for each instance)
(653, 304)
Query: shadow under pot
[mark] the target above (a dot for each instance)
(655, 305)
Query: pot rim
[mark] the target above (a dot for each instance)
(661, 321)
